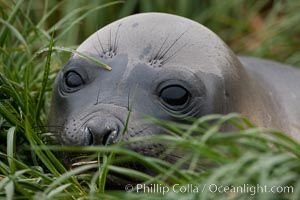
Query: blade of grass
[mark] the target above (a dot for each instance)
(103, 173)
(32, 140)
(10, 117)
(14, 93)
(33, 172)
(46, 14)
(45, 79)
(58, 190)
(105, 66)
(66, 176)
(8, 183)
(11, 141)
(62, 22)
(10, 190)
(17, 34)
(84, 15)
(12, 16)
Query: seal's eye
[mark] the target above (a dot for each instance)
(174, 95)
(73, 79)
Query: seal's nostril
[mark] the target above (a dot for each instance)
(98, 134)
(110, 136)
(88, 136)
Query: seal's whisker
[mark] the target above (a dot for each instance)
(168, 49)
(100, 43)
(169, 57)
(99, 53)
(157, 55)
(116, 39)
(109, 41)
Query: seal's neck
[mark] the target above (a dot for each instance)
(250, 99)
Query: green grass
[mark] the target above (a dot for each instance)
(31, 32)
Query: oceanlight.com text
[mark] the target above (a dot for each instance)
(212, 188)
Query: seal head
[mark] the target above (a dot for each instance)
(168, 67)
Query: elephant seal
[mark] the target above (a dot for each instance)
(174, 68)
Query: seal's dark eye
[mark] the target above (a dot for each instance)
(73, 79)
(174, 95)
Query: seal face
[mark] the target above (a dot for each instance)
(169, 67)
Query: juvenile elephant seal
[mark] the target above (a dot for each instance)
(175, 68)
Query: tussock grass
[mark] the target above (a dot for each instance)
(251, 156)
(29, 168)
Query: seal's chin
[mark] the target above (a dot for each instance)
(115, 181)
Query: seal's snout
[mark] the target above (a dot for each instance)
(102, 131)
